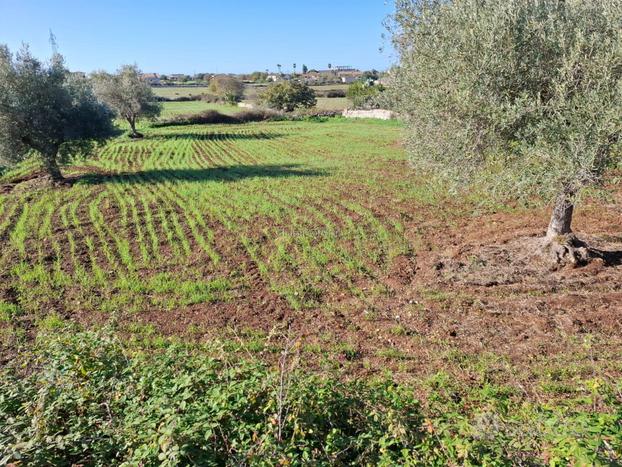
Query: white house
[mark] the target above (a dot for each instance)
(152, 79)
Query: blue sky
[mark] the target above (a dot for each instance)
(202, 36)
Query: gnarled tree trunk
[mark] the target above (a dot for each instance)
(561, 244)
(561, 219)
(50, 163)
(132, 122)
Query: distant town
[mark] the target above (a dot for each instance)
(330, 75)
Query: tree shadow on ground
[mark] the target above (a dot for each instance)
(217, 136)
(609, 257)
(230, 173)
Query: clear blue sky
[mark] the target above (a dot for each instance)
(202, 35)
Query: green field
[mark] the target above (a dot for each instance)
(170, 109)
(272, 193)
(201, 255)
(250, 95)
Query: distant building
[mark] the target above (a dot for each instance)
(177, 77)
(348, 74)
(151, 78)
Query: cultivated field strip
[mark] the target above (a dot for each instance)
(149, 218)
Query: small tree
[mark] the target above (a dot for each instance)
(523, 96)
(227, 88)
(46, 110)
(288, 96)
(128, 95)
(305, 69)
(364, 94)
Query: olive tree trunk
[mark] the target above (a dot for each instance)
(50, 163)
(132, 123)
(561, 219)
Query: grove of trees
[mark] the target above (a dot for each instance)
(47, 111)
(521, 96)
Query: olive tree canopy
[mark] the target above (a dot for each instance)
(288, 96)
(522, 96)
(227, 88)
(47, 110)
(128, 95)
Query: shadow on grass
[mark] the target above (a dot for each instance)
(225, 174)
(217, 136)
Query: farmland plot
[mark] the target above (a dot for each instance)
(318, 228)
(262, 216)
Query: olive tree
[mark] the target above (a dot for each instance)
(128, 95)
(288, 96)
(46, 110)
(227, 88)
(521, 96)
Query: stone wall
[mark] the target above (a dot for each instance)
(380, 114)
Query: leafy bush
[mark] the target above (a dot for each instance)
(210, 98)
(202, 118)
(314, 114)
(89, 400)
(208, 117)
(288, 96)
(331, 93)
(364, 95)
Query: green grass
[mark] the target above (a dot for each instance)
(170, 109)
(185, 199)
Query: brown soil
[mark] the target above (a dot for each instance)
(475, 286)
(476, 289)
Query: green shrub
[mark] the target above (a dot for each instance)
(90, 402)
(331, 93)
(288, 96)
(364, 95)
(87, 399)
